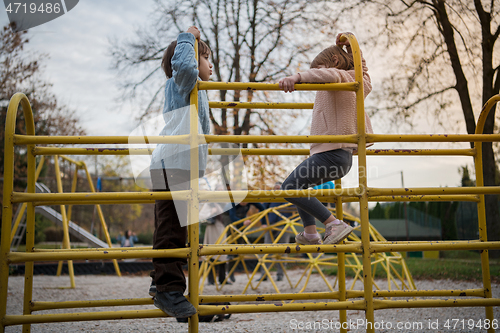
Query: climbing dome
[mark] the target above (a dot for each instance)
(392, 263)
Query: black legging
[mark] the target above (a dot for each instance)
(317, 169)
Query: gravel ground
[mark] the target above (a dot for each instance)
(111, 287)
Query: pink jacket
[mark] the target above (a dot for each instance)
(334, 112)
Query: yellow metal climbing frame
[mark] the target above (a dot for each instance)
(397, 273)
(366, 300)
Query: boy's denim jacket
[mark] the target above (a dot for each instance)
(176, 109)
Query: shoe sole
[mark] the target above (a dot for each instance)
(158, 305)
(340, 237)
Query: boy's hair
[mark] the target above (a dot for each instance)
(334, 57)
(166, 62)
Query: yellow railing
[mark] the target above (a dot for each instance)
(362, 194)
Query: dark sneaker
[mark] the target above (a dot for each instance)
(279, 277)
(152, 289)
(174, 304)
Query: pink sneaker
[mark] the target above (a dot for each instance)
(301, 239)
(334, 233)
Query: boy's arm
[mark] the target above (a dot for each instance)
(184, 64)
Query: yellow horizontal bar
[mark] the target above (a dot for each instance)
(392, 198)
(434, 303)
(206, 250)
(205, 85)
(268, 297)
(433, 246)
(220, 198)
(257, 195)
(245, 151)
(81, 197)
(184, 139)
(422, 293)
(434, 190)
(281, 138)
(15, 257)
(80, 140)
(90, 151)
(258, 105)
(420, 152)
(432, 137)
(253, 308)
(135, 248)
(335, 295)
(146, 151)
(39, 306)
(94, 202)
(10, 320)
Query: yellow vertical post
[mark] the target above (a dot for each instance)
(341, 262)
(362, 170)
(193, 206)
(101, 219)
(30, 235)
(8, 188)
(481, 207)
(65, 224)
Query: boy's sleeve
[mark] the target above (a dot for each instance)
(184, 64)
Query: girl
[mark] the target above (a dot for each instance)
(334, 113)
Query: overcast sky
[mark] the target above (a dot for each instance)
(79, 69)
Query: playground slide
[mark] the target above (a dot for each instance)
(74, 229)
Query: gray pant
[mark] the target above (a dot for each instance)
(317, 169)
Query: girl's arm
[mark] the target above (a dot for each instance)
(184, 64)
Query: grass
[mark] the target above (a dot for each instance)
(454, 268)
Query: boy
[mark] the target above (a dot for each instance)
(170, 167)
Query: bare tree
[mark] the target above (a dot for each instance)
(441, 53)
(251, 41)
(21, 72)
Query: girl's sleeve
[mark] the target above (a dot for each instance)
(321, 75)
(184, 64)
